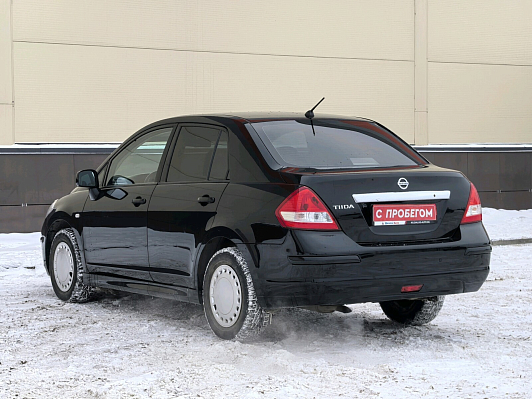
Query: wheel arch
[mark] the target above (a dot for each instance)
(59, 222)
(217, 238)
(207, 251)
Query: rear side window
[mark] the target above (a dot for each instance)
(220, 165)
(333, 144)
(193, 154)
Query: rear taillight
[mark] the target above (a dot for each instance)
(303, 209)
(473, 211)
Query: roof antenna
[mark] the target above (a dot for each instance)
(310, 114)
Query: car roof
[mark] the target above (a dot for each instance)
(256, 116)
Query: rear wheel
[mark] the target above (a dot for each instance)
(66, 269)
(229, 299)
(415, 312)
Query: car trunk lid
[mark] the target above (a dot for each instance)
(393, 206)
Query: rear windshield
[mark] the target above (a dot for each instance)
(334, 144)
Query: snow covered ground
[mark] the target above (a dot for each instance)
(507, 225)
(480, 345)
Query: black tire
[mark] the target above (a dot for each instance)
(67, 284)
(414, 312)
(231, 268)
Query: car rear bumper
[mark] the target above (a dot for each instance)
(314, 269)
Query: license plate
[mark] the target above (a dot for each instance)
(389, 215)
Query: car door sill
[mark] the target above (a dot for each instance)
(184, 294)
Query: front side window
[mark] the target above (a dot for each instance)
(193, 154)
(139, 161)
(334, 144)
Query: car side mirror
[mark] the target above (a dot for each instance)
(87, 178)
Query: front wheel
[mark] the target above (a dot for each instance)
(415, 312)
(66, 268)
(229, 298)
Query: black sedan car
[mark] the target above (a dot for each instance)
(251, 213)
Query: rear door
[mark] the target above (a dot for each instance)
(184, 204)
(115, 220)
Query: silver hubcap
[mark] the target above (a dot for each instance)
(63, 266)
(225, 296)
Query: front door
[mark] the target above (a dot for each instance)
(184, 204)
(115, 219)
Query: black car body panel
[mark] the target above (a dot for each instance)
(114, 234)
(338, 188)
(161, 246)
(313, 268)
(177, 225)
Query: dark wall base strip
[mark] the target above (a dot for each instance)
(503, 179)
(32, 179)
(518, 241)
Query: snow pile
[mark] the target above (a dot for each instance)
(20, 250)
(504, 224)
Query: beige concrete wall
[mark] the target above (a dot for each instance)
(433, 71)
(480, 31)
(98, 71)
(480, 71)
(6, 77)
(101, 94)
(471, 103)
(338, 28)
(421, 74)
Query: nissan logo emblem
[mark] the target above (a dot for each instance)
(403, 183)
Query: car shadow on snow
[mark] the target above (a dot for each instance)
(165, 310)
(305, 325)
(288, 325)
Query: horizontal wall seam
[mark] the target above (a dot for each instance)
(478, 63)
(480, 150)
(56, 153)
(503, 191)
(104, 151)
(211, 51)
(24, 205)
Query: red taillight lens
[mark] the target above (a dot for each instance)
(473, 211)
(411, 288)
(303, 209)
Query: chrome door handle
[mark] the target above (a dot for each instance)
(139, 201)
(206, 199)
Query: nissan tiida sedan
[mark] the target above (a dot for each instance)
(251, 213)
